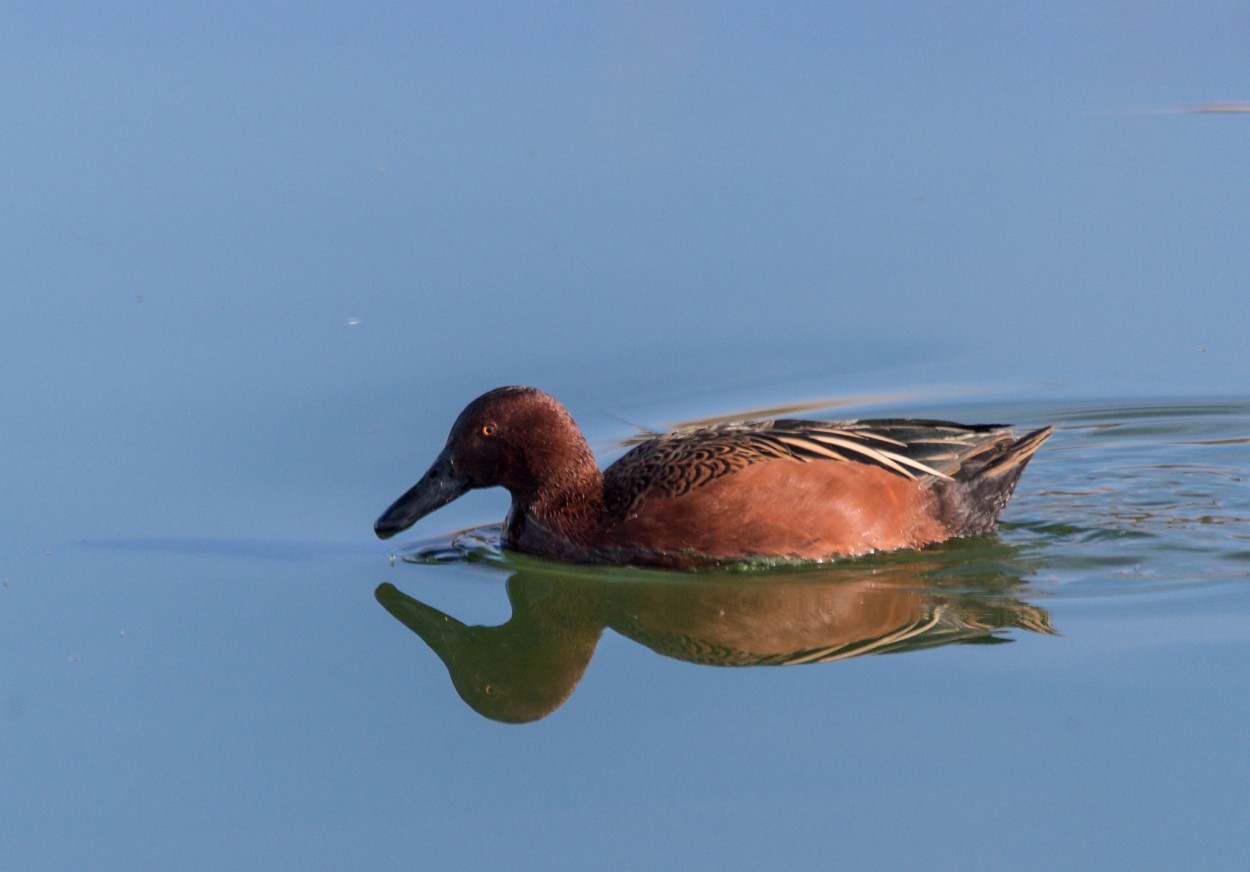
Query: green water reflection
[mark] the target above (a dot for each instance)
(528, 667)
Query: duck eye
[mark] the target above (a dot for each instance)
(488, 430)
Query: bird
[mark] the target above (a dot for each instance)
(730, 493)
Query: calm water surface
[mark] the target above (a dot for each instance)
(1072, 689)
(254, 261)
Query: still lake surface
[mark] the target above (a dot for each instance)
(254, 262)
(234, 702)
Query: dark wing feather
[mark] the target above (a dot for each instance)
(676, 463)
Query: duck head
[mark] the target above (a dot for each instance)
(516, 437)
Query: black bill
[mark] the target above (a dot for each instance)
(438, 487)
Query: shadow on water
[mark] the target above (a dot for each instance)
(528, 667)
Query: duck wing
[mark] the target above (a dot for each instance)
(677, 463)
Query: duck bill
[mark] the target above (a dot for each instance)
(440, 631)
(438, 487)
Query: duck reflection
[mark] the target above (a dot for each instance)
(526, 668)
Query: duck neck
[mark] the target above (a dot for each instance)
(571, 506)
(565, 507)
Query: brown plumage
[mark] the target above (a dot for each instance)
(761, 489)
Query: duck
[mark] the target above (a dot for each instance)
(729, 493)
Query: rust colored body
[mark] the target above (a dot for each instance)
(765, 489)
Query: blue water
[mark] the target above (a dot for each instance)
(256, 260)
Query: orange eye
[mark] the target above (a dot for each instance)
(488, 429)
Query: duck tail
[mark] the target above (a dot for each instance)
(973, 498)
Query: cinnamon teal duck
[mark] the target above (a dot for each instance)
(781, 489)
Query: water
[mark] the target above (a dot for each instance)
(1074, 685)
(253, 264)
